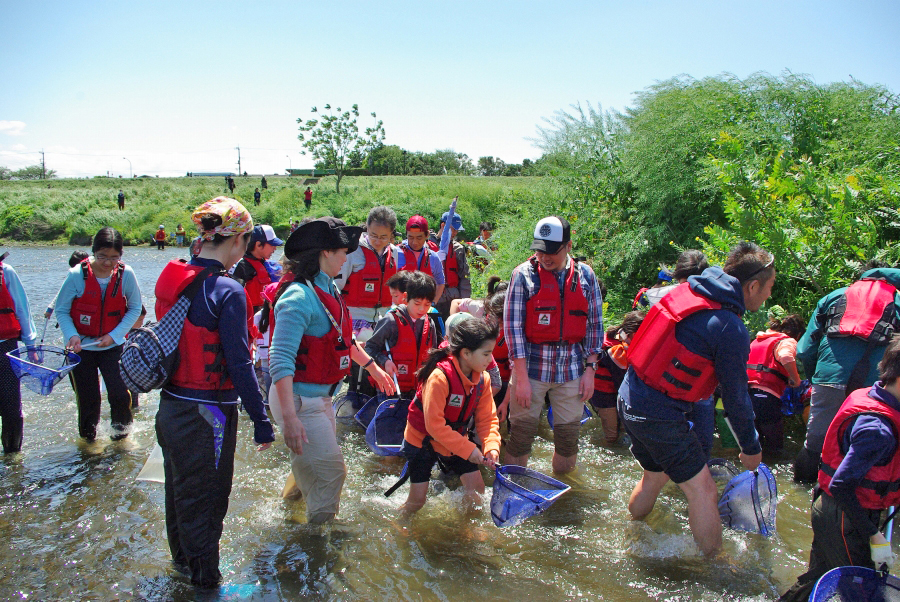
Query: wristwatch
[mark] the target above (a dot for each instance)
(592, 365)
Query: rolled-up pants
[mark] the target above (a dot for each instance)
(568, 408)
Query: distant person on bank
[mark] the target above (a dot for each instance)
(121, 200)
(307, 197)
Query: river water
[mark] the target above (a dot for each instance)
(75, 524)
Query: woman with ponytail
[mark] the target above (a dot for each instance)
(453, 388)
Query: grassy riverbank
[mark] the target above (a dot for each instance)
(71, 211)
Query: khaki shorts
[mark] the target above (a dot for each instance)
(564, 399)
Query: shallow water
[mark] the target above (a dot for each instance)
(76, 525)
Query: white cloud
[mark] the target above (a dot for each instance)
(12, 128)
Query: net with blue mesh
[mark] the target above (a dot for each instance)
(853, 583)
(40, 367)
(347, 405)
(749, 501)
(520, 493)
(365, 413)
(795, 399)
(384, 435)
(585, 416)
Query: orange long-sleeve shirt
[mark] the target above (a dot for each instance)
(445, 440)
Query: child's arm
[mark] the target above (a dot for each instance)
(487, 424)
(385, 330)
(786, 354)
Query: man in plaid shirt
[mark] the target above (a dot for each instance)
(553, 320)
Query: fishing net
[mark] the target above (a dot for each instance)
(384, 435)
(365, 413)
(585, 416)
(853, 583)
(749, 501)
(346, 405)
(795, 399)
(722, 469)
(520, 493)
(40, 367)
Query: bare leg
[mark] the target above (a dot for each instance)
(703, 511)
(415, 500)
(474, 485)
(645, 493)
(516, 460)
(562, 464)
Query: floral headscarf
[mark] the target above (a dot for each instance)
(235, 217)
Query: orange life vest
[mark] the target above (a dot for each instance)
(9, 323)
(603, 378)
(501, 356)
(880, 487)
(460, 406)
(553, 315)
(762, 367)
(660, 360)
(255, 285)
(366, 287)
(94, 313)
(451, 269)
(201, 361)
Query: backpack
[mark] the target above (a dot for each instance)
(150, 354)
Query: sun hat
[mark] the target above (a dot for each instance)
(323, 233)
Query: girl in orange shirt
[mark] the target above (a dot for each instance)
(453, 388)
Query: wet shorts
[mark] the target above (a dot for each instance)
(669, 446)
(422, 461)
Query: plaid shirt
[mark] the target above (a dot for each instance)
(552, 362)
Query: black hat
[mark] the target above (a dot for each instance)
(323, 233)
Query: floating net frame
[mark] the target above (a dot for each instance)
(853, 583)
(585, 415)
(51, 364)
(384, 434)
(520, 493)
(756, 514)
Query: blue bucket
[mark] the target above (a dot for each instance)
(384, 435)
(585, 416)
(749, 501)
(42, 366)
(520, 493)
(853, 583)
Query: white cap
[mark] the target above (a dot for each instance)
(550, 234)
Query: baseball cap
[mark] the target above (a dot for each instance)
(550, 234)
(417, 222)
(456, 223)
(265, 233)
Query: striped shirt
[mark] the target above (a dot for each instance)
(552, 362)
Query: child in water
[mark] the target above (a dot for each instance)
(452, 388)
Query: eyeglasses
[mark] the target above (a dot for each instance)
(376, 237)
(762, 269)
(105, 259)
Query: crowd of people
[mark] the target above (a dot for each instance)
(351, 304)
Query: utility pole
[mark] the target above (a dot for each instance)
(238, 149)
(43, 166)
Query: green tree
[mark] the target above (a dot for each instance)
(33, 172)
(335, 140)
(5, 172)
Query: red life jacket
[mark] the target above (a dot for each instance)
(9, 323)
(762, 367)
(553, 315)
(451, 269)
(366, 287)
(201, 361)
(460, 406)
(866, 310)
(880, 487)
(408, 353)
(160, 235)
(501, 356)
(255, 285)
(603, 378)
(410, 264)
(660, 360)
(325, 360)
(433, 245)
(638, 298)
(94, 314)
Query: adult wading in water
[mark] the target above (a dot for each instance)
(310, 352)
(196, 424)
(96, 306)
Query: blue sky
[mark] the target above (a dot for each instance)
(175, 87)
